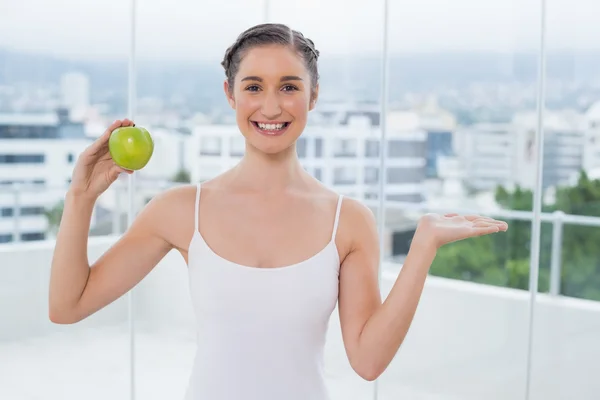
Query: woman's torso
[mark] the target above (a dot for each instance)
(263, 282)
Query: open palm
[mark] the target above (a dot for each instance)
(448, 228)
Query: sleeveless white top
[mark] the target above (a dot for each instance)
(260, 331)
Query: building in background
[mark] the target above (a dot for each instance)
(440, 126)
(75, 93)
(486, 152)
(429, 159)
(37, 156)
(505, 154)
(591, 148)
(340, 149)
(564, 133)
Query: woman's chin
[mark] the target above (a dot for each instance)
(272, 148)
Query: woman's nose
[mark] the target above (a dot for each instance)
(271, 107)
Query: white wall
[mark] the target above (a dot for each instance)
(468, 341)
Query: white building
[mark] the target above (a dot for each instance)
(344, 156)
(172, 153)
(37, 156)
(75, 92)
(591, 155)
(506, 153)
(487, 153)
(564, 134)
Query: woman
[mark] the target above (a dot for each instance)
(270, 250)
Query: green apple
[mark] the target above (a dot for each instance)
(131, 147)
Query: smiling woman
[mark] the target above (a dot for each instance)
(270, 250)
(274, 88)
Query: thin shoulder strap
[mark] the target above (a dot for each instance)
(198, 188)
(337, 216)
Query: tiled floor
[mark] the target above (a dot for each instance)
(93, 364)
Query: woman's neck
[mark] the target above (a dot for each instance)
(266, 173)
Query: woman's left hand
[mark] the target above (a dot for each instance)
(439, 230)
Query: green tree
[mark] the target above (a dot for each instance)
(581, 250)
(503, 259)
(182, 176)
(54, 216)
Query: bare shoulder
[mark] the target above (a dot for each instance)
(179, 195)
(170, 214)
(357, 227)
(172, 202)
(357, 211)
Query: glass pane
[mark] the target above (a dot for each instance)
(63, 77)
(346, 115)
(567, 315)
(180, 101)
(453, 148)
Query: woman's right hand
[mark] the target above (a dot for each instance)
(95, 170)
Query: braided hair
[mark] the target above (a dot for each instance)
(267, 34)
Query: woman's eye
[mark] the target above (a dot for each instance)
(252, 88)
(290, 88)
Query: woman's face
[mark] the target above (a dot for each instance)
(271, 97)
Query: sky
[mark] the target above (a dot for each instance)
(202, 29)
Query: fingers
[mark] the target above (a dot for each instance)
(477, 218)
(490, 227)
(480, 221)
(486, 230)
(106, 135)
(103, 139)
(474, 217)
(115, 171)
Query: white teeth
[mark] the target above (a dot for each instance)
(271, 127)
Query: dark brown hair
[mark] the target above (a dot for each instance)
(269, 34)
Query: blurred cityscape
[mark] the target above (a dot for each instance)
(461, 137)
(453, 136)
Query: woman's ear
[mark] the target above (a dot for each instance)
(229, 94)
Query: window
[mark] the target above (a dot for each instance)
(210, 146)
(344, 175)
(406, 148)
(6, 238)
(371, 175)
(405, 198)
(405, 175)
(6, 212)
(237, 146)
(318, 148)
(301, 147)
(372, 148)
(32, 211)
(30, 237)
(319, 174)
(344, 148)
(70, 158)
(22, 158)
(28, 132)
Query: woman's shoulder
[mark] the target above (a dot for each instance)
(175, 195)
(172, 203)
(357, 223)
(355, 213)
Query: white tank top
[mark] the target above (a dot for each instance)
(260, 331)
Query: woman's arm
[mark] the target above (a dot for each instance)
(372, 331)
(78, 289)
